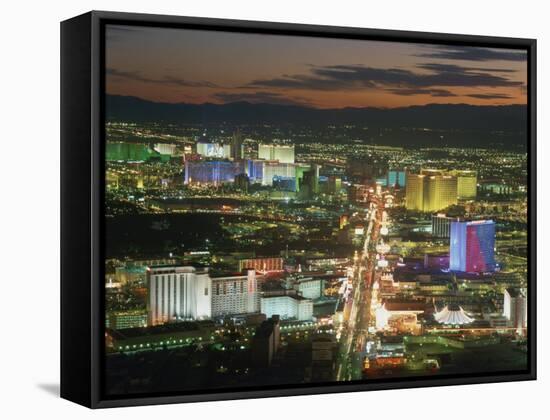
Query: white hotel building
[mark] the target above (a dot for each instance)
(186, 293)
(287, 306)
(178, 292)
(515, 309)
(282, 153)
(235, 295)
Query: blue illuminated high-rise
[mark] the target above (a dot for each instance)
(396, 177)
(214, 172)
(472, 246)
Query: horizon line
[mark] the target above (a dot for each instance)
(314, 107)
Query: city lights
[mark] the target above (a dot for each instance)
(266, 244)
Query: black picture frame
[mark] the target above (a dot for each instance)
(82, 181)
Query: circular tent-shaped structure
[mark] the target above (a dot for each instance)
(452, 315)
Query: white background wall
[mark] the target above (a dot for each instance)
(29, 137)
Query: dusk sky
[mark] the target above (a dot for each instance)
(180, 65)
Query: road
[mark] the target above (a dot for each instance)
(355, 333)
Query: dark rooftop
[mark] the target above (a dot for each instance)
(162, 329)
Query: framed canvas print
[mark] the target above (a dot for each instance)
(256, 209)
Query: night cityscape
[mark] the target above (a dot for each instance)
(275, 217)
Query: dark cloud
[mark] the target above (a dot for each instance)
(474, 54)
(432, 76)
(170, 80)
(442, 93)
(127, 75)
(456, 68)
(262, 97)
(310, 82)
(166, 80)
(489, 96)
(453, 75)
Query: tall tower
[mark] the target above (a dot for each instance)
(252, 297)
(472, 246)
(309, 184)
(414, 198)
(282, 153)
(177, 292)
(237, 145)
(431, 190)
(439, 192)
(515, 308)
(466, 184)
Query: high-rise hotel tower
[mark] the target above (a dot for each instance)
(178, 293)
(472, 246)
(430, 191)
